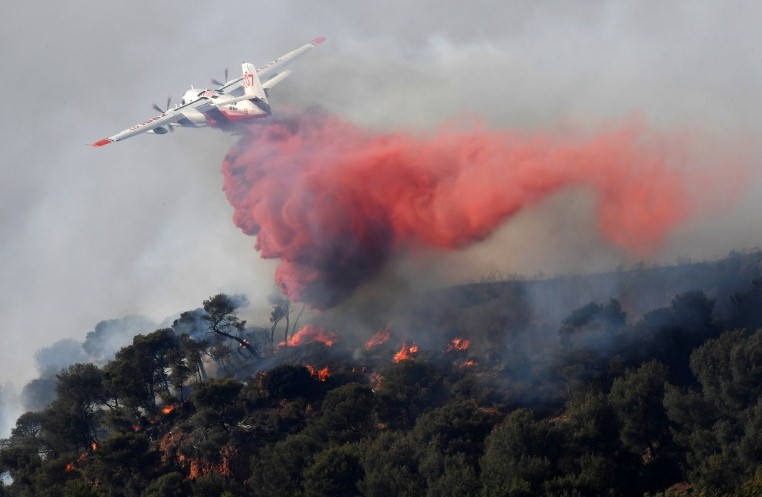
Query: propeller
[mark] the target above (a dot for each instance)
(215, 82)
(159, 109)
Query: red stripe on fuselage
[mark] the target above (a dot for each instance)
(215, 121)
(241, 117)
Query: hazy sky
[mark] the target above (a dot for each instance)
(142, 226)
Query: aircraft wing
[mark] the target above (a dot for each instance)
(273, 72)
(203, 104)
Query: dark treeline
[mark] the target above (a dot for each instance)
(668, 404)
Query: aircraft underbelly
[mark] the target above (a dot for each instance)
(242, 110)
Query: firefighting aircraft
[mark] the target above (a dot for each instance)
(242, 98)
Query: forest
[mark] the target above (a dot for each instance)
(468, 392)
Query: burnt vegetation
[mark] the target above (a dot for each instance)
(492, 389)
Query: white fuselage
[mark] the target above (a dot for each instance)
(227, 109)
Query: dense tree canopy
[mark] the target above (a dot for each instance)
(665, 404)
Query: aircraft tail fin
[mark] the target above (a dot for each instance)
(252, 86)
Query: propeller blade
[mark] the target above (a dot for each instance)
(215, 82)
(163, 111)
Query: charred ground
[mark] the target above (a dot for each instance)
(641, 381)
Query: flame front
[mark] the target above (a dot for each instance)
(319, 374)
(310, 334)
(406, 353)
(459, 344)
(378, 339)
(168, 409)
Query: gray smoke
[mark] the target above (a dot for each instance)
(63, 353)
(109, 336)
(99, 346)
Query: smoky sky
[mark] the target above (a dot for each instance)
(142, 227)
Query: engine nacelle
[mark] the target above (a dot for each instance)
(159, 131)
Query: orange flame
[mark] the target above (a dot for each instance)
(406, 353)
(310, 334)
(459, 344)
(200, 467)
(469, 363)
(195, 470)
(168, 409)
(378, 339)
(73, 465)
(319, 374)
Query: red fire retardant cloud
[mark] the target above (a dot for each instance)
(334, 201)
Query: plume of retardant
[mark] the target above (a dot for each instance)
(334, 201)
